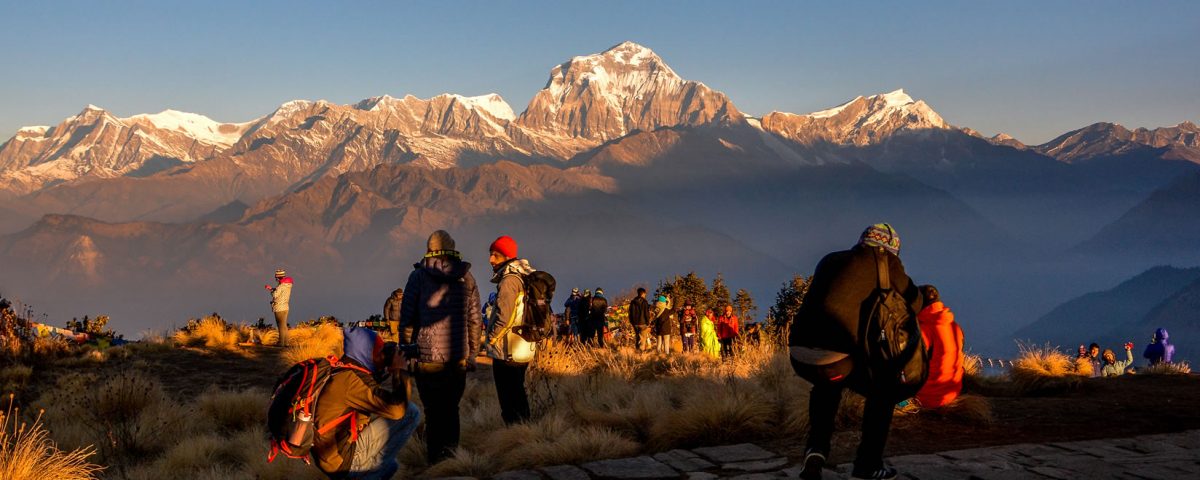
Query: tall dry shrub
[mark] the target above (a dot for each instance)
(210, 332)
(1043, 369)
(305, 342)
(28, 453)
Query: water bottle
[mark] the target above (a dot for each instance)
(303, 423)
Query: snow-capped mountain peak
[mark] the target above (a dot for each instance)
(491, 103)
(197, 126)
(860, 121)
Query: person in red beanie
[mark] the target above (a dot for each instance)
(945, 337)
(510, 353)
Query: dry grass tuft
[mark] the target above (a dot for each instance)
(233, 411)
(13, 378)
(1044, 369)
(209, 332)
(1179, 368)
(971, 409)
(28, 453)
(312, 342)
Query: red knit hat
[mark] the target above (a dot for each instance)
(504, 245)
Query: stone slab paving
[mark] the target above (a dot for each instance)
(1159, 457)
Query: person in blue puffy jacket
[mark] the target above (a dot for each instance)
(1160, 351)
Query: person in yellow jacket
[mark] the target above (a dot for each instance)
(708, 336)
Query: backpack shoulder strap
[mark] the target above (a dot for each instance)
(881, 263)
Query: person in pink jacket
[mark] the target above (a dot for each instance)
(945, 338)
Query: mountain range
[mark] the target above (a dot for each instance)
(618, 171)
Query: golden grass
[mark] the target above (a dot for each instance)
(13, 378)
(1044, 369)
(312, 342)
(211, 333)
(1179, 368)
(28, 453)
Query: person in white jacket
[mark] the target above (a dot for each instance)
(510, 353)
(281, 295)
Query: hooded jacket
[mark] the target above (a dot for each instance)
(281, 295)
(945, 338)
(727, 327)
(833, 307)
(708, 337)
(441, 304)
(349, 399)
(1160, 351)
(503, 341)
(665, 321)
(391, 307)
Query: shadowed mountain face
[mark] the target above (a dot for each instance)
(1163, 227)
(618, 172)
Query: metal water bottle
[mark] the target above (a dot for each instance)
(303, 423)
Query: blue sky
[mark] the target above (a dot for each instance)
(1031, 69)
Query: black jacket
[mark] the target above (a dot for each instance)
(391, 308)
(836, 301)
(667, 323)
(441, 301)
(597, 311)
(639, 312)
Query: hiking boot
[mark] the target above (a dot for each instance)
(883, 473)
(814, 461)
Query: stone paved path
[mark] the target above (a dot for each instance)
(1164, 456)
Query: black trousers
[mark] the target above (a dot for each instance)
(823, 405)
(510, 388)
(441, 388)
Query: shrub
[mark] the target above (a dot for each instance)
(1180, 368)
(209, 332)
(318, 341)
(27, 453)
(233, 411)
(1044, 369)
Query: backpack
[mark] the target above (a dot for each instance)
(896, 358)
(538, 320)
(295, 398)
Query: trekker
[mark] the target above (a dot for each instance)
(362, 425)
(709, 344)
(727, 331)
(586, 332)
(687, 327)
(639, 318)
(281, 296)
(666, 325)
(1113, 368)
(598, 315)
(391, 313)
(441, 315)
(571, 312)
(1160, 351)
(824, 334)
(1093, 357)
(510, 353)
(944, 337)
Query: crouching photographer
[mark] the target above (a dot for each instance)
(362, 425)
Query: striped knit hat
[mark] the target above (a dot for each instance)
(881, 235)
(280, 273)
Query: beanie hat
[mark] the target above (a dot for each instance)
(575, 291)
(881, 235)
(660, 299)
(438, 241)
(599, 291)
(504, 245)
(280, 273)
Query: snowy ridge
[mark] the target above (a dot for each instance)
(491, 103)
(197, 126)
(833, 111)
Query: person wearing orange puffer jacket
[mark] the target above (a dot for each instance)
(945, 338)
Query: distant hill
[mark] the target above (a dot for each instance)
(1164, 227)
(1159, 297)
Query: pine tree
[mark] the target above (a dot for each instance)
(720, 294)
(745, 306)
(789, 299)
(688, 288)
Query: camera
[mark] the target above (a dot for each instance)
(411, 351)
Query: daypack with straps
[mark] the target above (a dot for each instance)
(896, 359)
(539, 291)
(291, 416)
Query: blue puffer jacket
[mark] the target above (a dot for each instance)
(1160, 351)
(441, 302)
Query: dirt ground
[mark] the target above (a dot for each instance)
(1097, 408)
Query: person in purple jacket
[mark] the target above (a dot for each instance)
(1160, 351)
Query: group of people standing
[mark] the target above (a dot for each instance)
(1106, 364)
(661, 325)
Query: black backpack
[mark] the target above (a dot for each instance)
(294, 399)
(538, 320)
(896, 359)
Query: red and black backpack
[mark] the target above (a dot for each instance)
(295, 399)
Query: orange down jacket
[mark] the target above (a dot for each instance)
(944, 336)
